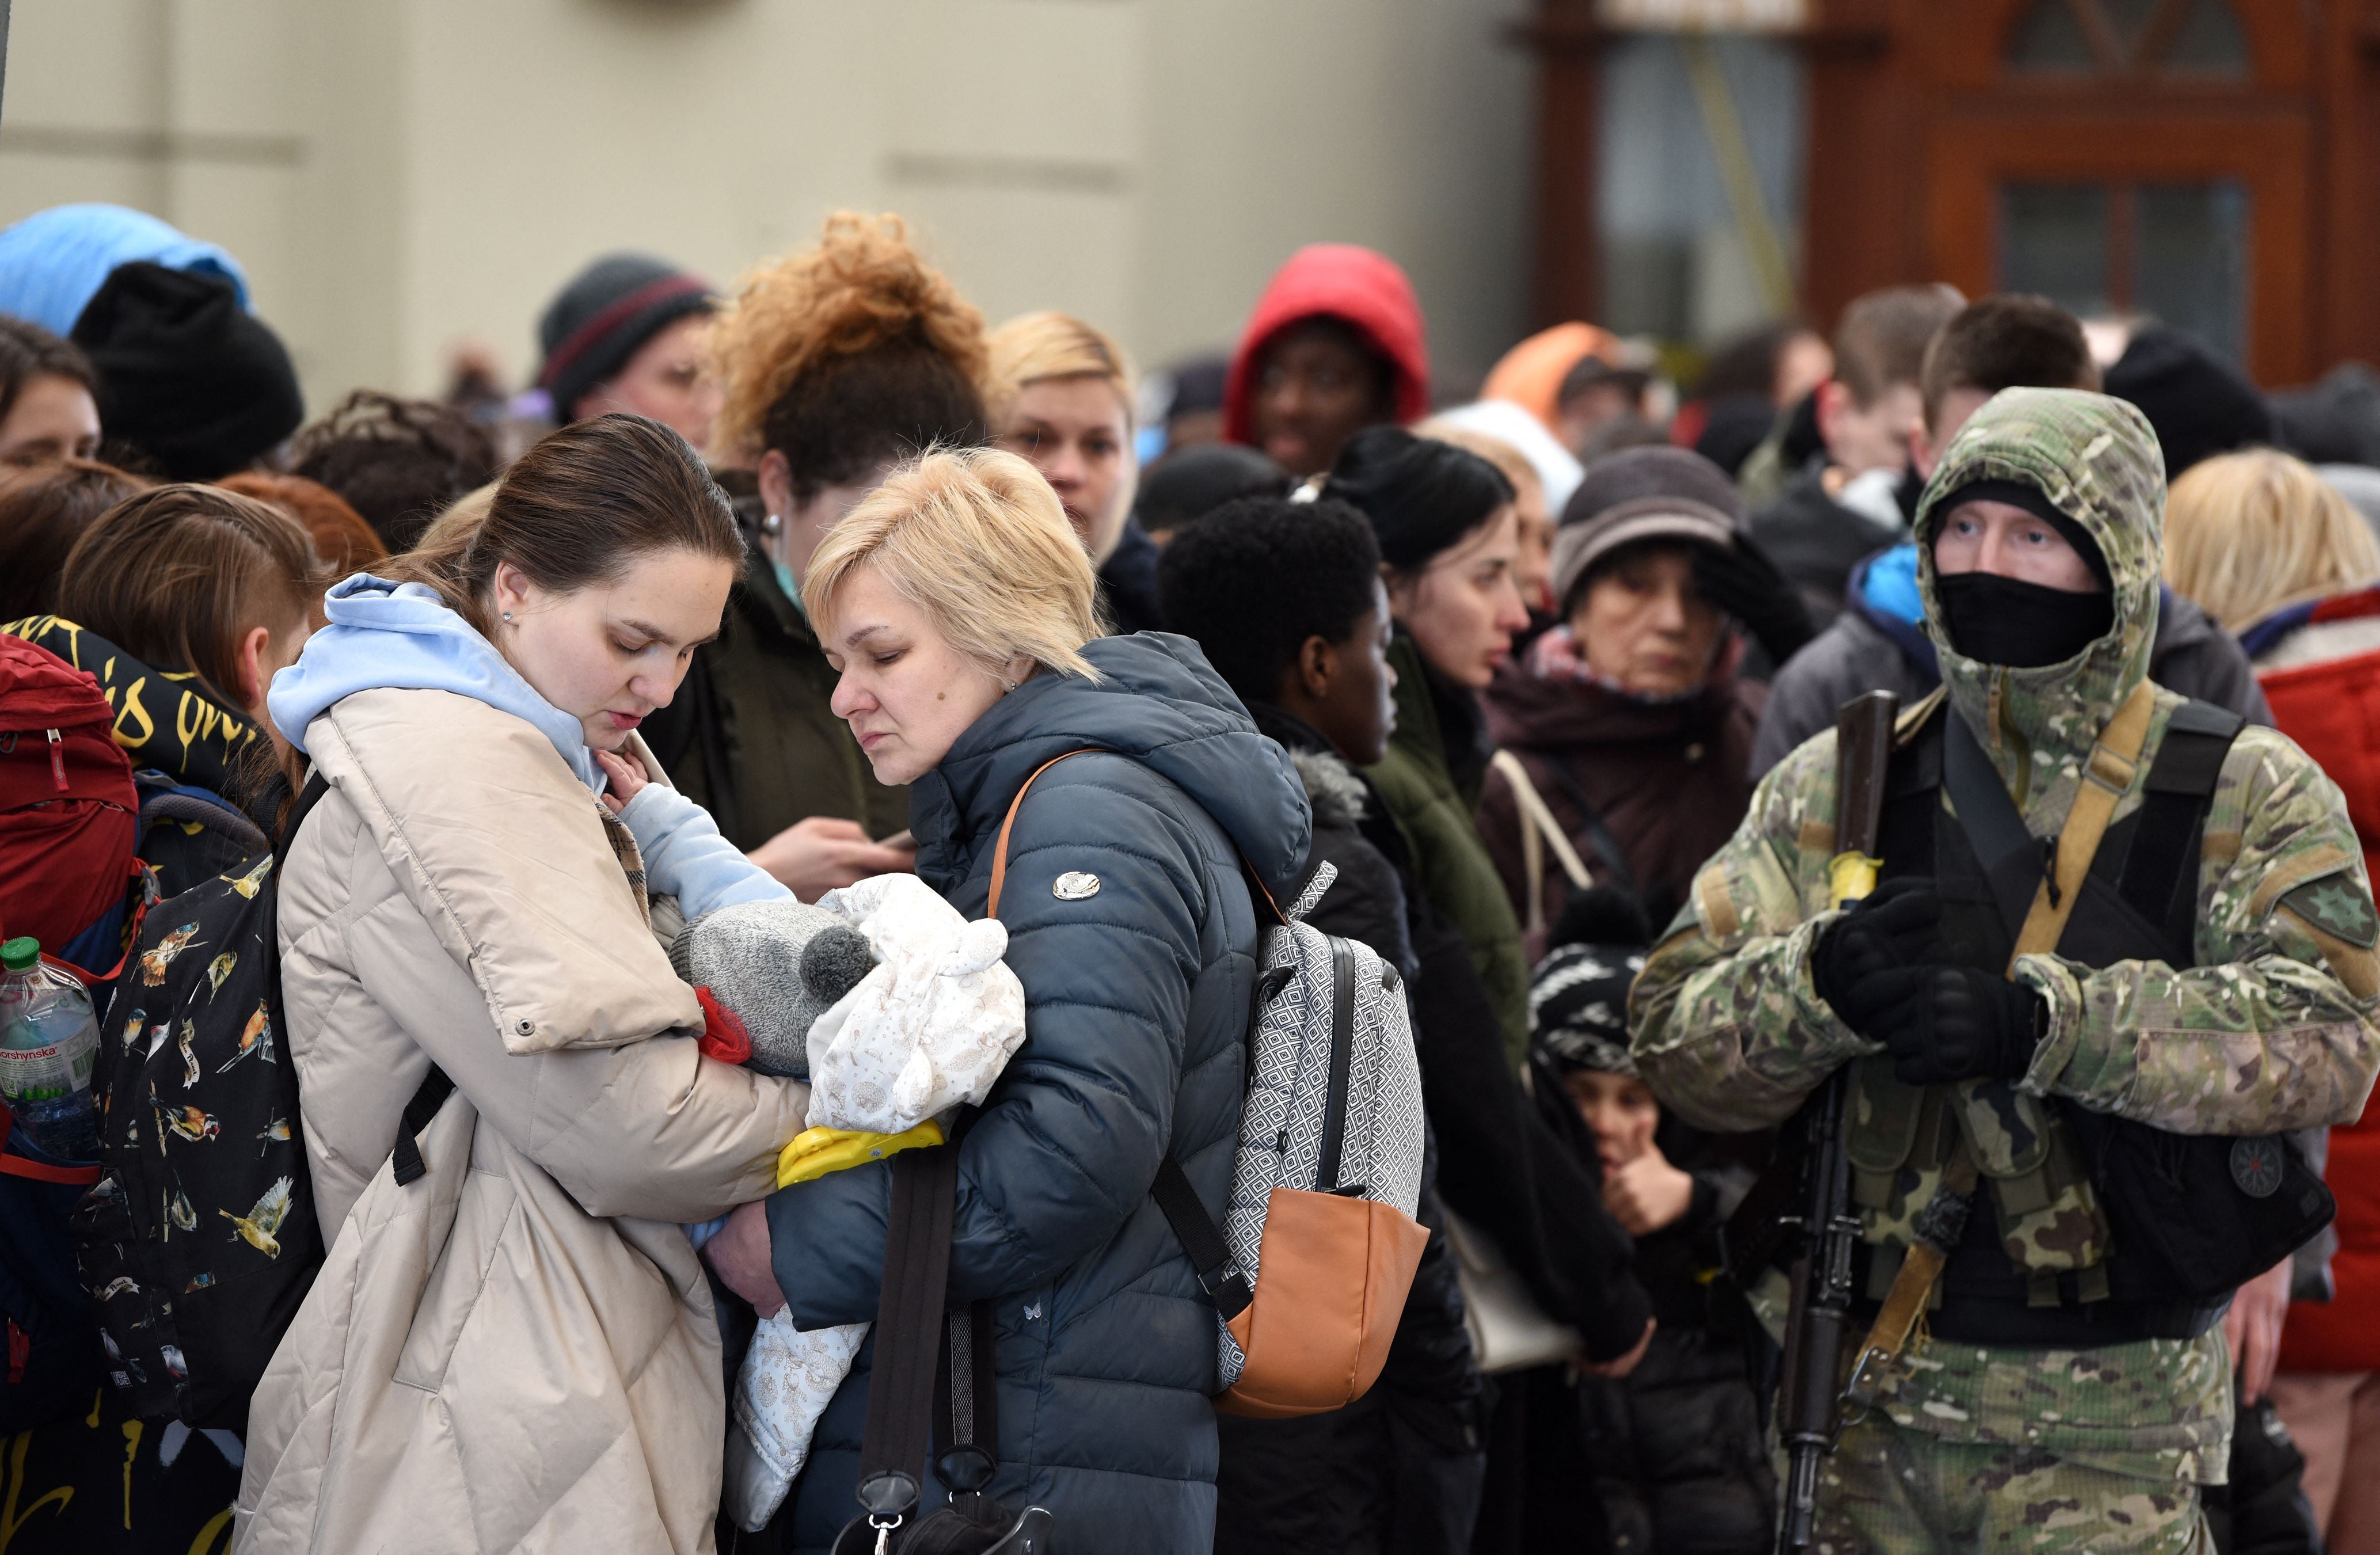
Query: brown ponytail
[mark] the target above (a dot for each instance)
(578, 509)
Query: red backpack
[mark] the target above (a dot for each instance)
(69, 811)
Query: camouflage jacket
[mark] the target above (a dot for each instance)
(2273, 1029)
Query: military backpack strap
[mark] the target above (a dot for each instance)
(2160, 878)
(2107, 775)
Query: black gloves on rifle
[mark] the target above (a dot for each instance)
(1743, 582)
(1941, 1024)
(1860, 961)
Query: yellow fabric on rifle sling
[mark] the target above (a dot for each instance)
(817, 1151)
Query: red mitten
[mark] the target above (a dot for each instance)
(723, 1037)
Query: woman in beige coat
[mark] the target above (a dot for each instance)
(517, 1350)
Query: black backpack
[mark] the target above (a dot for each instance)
(199, 1241)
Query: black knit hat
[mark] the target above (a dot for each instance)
(609, 310)
(187, 375)
(1642, 493)
(2199, 403)
(1422, 495)
(2034, 500)
(1578, 1007)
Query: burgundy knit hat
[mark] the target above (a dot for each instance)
(604, 314)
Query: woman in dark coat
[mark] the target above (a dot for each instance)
(957, 605)
(1627, 722)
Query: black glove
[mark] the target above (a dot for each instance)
(1862, 962)
(1959, 1023)
(1743, 582)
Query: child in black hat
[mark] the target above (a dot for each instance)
(1676, 1448)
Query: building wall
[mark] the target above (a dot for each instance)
(401, 174)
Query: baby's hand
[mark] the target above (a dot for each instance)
(627, 779)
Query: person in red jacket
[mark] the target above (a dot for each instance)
(1336, 344)
(2278, 557)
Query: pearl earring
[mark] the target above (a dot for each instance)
(508, 615)
(772, 524)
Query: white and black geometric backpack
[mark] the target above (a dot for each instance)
(1309, 1268)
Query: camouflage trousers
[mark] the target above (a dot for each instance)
(1887, 1489)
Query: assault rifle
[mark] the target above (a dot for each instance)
(1822, 1230)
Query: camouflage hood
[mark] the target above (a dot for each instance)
(2096, 460)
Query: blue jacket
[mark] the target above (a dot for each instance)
(1136, 1009)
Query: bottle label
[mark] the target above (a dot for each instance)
(48, 1072)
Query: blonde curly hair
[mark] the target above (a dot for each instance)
(864, 287)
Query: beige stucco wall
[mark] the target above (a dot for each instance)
(397, 175)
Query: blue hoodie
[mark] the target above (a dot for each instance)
(402, 637)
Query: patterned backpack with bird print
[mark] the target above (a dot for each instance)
(199, 1241)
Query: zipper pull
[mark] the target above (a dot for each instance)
(58, 761)
(20, 1352)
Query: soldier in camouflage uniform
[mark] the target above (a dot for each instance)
(2097, 1437)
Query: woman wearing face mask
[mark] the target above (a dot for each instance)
(834, 364)
(536, 1365)
(1449, 534)
(956, 602)
(1059, 394)
(1628, 725)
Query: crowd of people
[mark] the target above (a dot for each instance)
(758, 594)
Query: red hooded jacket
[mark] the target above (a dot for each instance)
(2331, 706)
(1343, 281)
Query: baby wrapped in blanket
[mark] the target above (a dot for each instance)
(897, 1010)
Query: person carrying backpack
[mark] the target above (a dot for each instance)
(183, 600)
(958, 605)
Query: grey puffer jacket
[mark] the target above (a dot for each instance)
(1136, 1009)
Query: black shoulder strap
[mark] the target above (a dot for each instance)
(1211, 1256)
(899, 1429)
(2178, 791)
(405, 1160)
(2005, 846)
(308, 797)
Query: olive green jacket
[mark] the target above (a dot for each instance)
(750, 736)
(1430, 786)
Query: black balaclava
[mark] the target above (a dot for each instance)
(1996, 620)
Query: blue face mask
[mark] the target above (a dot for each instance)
(786, 581)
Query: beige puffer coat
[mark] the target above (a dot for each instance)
(518, 1351)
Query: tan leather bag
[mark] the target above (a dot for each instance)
(1333, 1269)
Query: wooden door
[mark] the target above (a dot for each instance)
(2154, 156)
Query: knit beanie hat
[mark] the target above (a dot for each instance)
(186, 375)
(1578, 1007)
(2199, 403)
(53, 261)
(1642, 493)
(1422, 495)
(608, 310)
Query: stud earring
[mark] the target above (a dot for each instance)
(508, 615)
(1007, 685)
(772, 524)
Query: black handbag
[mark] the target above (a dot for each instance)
(918, 1347)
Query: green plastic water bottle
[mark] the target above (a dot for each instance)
(48, 1039)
